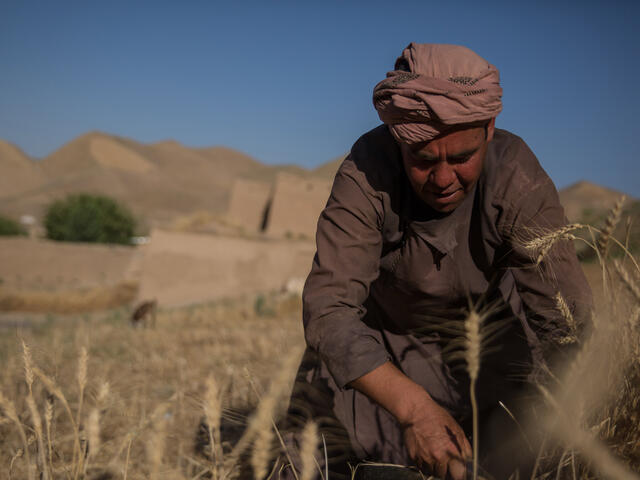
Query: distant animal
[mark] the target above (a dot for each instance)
(144, 314)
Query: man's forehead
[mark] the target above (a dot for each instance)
(455, 142)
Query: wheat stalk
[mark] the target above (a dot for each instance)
(48, 419)
(263, 417)
(212, 407)
(308, 450)
(597, 454)
(10, 411)
(82, 379)
(261, 452)
(57, 392)
(540, 246)
(562, 306)
(33, 410)
(37, 424)
(470, 336)
(473, 341)
(126, 461)
(28, 365)
(93, 424)
(610, 225)
(626, 278)
(156, 445)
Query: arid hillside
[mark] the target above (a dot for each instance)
(591, 204)
(19, 174)
(586, 199)
(159, 182)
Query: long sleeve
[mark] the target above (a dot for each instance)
(532, 209)
(349, 244)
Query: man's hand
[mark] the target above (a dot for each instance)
(432, 437)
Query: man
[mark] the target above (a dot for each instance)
(426, 221)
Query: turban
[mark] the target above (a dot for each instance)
(435, 87)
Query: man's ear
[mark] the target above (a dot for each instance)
(491, 128)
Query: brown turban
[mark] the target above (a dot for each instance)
(434, 87)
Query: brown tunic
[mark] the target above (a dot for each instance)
(389, 272)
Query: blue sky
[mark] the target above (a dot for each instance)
(291, 82)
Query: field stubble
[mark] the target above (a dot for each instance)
(94, 398)
(140, 394)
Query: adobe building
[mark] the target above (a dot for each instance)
(287, 209)
(296, 205)
(248, 203)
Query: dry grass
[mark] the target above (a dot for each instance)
(591, 411)
(73, 301)
(118, 402)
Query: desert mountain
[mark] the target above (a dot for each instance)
(329, 169)
(584, 201)
(19, 172)
(159, 181)
(591, 204)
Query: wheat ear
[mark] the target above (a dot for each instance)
(539, 247)
(56, 392)
(48, 419)
(308, 450)
(33, 410)
(471, 336)
(564, 310)
(81, 377)
(93, 424)
(473, 341)
(610, 225)
(262, 447)
(212, 407)
(155, 447)
(629, 282)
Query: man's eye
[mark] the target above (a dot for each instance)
(423, 160)
(460, 159)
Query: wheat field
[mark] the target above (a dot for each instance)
(115, 401)
(200, 394)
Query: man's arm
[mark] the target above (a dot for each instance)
(349, 245)
(431, 435)
(532, 210)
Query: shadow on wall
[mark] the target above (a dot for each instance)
(287, 208)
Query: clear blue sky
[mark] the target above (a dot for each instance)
(291, 82)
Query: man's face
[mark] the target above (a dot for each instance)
(444, 170)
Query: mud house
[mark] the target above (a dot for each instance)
(248, 202)
(287, 208)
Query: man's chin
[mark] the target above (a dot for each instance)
(445, 209)
(443, 206)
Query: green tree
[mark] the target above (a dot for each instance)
(89, 218)
(9, 226)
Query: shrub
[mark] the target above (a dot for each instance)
(263, 307)
(89, 218)
(9, 226)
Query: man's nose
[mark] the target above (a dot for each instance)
(442, 175)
